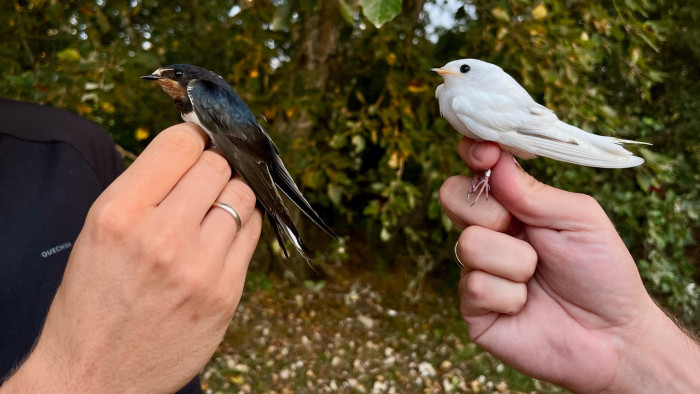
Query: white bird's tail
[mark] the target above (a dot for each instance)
(583, 148)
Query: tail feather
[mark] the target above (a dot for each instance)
(284, 182)
(622, 141)
(290, 231)
(580, 148)
(610, 144)
(293, 236)
(583, 159)
(280, 241)
(257, 175)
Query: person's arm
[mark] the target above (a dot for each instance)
(154, 278)
(552, 290)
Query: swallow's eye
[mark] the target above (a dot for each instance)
(464, 68)
(178, 74)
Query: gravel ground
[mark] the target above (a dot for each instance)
(354, 337)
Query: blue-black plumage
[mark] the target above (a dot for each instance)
(206, 99)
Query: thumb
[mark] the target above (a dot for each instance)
(540, 205)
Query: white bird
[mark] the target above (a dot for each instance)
(484, 103)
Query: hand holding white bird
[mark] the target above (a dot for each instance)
(484, 103)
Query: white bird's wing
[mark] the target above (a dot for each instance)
(508, 119)
(489, 115)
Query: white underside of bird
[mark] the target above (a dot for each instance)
(487, 104)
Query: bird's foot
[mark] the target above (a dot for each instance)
(479, 185)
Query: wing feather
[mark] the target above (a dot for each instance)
(250, 151)
(489, 115)
(247, 148)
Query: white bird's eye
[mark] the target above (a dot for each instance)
(178, 74)
(464, 68)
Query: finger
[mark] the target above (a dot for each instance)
(487, 213)
(540, 205)
(219, 228)
(191, 198)
(478, 156)
(481, 293)
(161, 165)
(240, 253)
(497, 254)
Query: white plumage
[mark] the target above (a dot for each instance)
(484, 103)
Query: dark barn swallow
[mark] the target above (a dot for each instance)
(205, 99)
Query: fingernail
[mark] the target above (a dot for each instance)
(474, 151)
(517, 164)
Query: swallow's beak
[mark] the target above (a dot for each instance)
(442, 71)
(151, 77)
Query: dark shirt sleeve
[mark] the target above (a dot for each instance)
(53, 165)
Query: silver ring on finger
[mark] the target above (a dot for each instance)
(230, 210)
(457, 260)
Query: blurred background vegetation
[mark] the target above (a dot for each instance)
(348, 96)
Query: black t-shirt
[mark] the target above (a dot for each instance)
(53, 165)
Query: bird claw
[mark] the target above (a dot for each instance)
(480, 184)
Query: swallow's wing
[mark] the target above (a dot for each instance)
(243, 130)
(285, 182)
(493, 115)
(235, 130)
(246, 147)
(502, 111)
(225, 114)
(252, 152)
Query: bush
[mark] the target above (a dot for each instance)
(351, 106)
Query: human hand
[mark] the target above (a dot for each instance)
(552, 290)
(154, 277)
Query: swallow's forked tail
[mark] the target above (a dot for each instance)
(284, 182)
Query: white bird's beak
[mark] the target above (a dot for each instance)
(442, 71)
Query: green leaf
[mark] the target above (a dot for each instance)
(346, 11)
(385, 235)
(335, 193)
(359, 142)
(380, 12)
(372, 208)
(500, 14)
(69, 54)
(644, 180)
(315, 286)
(338, 141)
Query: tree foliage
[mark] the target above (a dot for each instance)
(351, 105)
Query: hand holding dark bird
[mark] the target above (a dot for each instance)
(205, 99)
